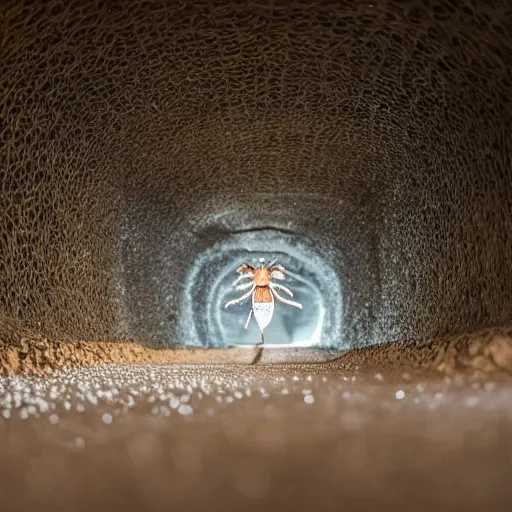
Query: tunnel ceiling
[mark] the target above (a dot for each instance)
(137, 134)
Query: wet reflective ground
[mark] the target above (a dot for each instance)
(263, 438)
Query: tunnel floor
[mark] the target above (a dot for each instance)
(268, 437)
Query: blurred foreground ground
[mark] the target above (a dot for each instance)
(170, 438)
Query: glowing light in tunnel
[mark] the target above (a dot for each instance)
(205, 322)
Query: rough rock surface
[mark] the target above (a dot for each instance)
(135, 134)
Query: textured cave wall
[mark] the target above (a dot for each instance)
(136, 135)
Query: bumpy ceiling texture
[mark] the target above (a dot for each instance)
(371, 139)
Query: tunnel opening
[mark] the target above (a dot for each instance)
(184, 271)
(206, 322)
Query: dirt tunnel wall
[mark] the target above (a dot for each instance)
(367, 142)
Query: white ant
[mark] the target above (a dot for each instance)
(263, 291)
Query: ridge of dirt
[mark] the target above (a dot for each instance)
(488, 351)
(42, 356)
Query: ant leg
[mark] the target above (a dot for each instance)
(244, 286)
(243, 276)
(286, 301)
(248, 319)
(281, 287)
(240, 299)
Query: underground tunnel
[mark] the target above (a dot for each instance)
(148, 149)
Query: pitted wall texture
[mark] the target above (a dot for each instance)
(380, 129)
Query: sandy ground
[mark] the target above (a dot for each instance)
(171, 438)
